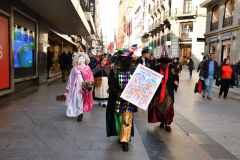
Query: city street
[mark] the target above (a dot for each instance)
(34, 126)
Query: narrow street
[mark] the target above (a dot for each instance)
(34, 126)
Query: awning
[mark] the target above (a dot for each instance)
(67, 15)
(207, 3)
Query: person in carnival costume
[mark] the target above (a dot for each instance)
(78, 91)
(161, 107)
(119, 114)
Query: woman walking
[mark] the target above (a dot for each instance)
(235, 70)
(190, 67)
(102, 71)
(161, 107)
(177, 66)
(152, 62)
(227, 78)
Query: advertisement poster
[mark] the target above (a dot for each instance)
(142, 87)
(4, 53)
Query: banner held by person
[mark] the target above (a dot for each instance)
(142, 87)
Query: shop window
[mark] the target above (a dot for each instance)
(229, 12)
(215, 18)
(186, 30)
(187, 6)
(213, 47)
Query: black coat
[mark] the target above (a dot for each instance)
(152, 64)
(238, 67)
(49, 59)
(191, 65)
(65, 62)
(170, 83)
(218, 83)
(205, 69)
(139, 60)
(93, 62)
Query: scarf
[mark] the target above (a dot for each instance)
(164, 82)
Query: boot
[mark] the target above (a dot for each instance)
(125, 146)
(79, 119)
(168, 128)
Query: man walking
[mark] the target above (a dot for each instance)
(143, 59)
(65, 65)
(93, 62)
(238, 76)
(49, 61)
(209, 72)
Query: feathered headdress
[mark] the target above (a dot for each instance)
(126, 51)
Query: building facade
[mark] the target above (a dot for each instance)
(222, 31)
(177, 25)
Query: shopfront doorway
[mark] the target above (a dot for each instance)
(186, 54)
(226, 46)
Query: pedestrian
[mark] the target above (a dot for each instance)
(65, 65)
(115, 57)
(238, 68)
(107, 60)
(49, 61)
(119, 115)
(78, 99)
(227, 78)
(161, 107)
(209, 72)
(201, 63)
(134, 60)
(152, 62)
(102, 71)
(190, 67)
(235, 71)
(177, 66)
(70, 62)
(93, 62)
(143, 59)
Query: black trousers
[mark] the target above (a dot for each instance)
(225, 84)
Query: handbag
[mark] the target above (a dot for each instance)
(97, 81)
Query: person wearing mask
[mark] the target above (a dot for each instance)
(235, 70)
(161, 106)
(102, 71)
(190, 67)
(209, 72)
(65, 65)
(152, 62)
(93, 62)
(227, 78)
(238, 77)
(120, 113)
(143, 59)
(49, 61)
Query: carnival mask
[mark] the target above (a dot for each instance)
(81, 61)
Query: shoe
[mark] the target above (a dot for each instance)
(225, 98)
(99, 104)
(231, 86)
(168, 128)
(125, 146)
(219, 96)
(161, 125)
(104, 105)
(209, 98)
(203, 96)
(79, 119)
(120, 142)
(49, 78)
(237, 86)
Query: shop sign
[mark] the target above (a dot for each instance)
(92, 8)
(4, 53)
(213, 38)
(201, 40)
(227, 35)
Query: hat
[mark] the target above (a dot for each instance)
(126, 51)
(164, 59)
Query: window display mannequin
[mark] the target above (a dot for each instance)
(77, 100)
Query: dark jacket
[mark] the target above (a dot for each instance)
(238, 67)
(191, 65)
(70, 60)
(200, 65)
(49, 59)
(65, 62)
(205, 69)
(139, 60)
(235, 70)
(232, 80)
(170, 82)
(114, 59)
(152, 64)
(93, 62)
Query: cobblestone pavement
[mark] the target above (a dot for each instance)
(34, 126)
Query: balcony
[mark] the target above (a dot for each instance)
(214, 25)
(183, 12)
(166, 15)
(151, 27)
(227, 21)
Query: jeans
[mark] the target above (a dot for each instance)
(208, 83)
(238, 79)
(190, 73)
(93, 70)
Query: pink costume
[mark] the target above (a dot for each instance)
(77, 101)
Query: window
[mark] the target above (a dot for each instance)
(215, 18)
(187, 6)
(186, 30)
(229, 12)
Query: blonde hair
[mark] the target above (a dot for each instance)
(234, 62)
(75, 58)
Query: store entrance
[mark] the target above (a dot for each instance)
(225, 50)
(186, 54)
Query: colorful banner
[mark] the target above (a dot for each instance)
(142, 87)
(4, 53)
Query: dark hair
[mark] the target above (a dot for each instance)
(204, 57)
(144, 51)
(224, 61)
(211, 53)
